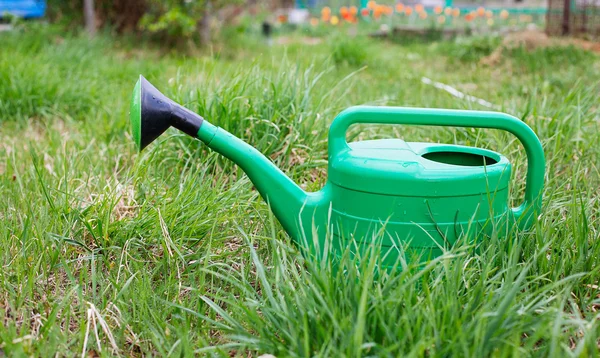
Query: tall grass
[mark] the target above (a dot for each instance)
(468, 301)
(171, 252)
(350, 52)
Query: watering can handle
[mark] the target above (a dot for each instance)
(454, 118)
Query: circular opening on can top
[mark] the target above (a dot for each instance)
(460, 158)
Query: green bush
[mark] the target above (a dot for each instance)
(470, 49)
(170, 21)
(350, 52)
(174, 19)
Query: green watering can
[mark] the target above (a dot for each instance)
(416, 197)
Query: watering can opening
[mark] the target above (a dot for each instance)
(460, 158)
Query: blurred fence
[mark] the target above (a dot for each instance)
(317, 4)
(531, 7)
(573, 17)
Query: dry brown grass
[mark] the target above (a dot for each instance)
(532, 40)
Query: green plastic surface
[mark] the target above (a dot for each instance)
(422, 196)
(395, 167)
(135, 113)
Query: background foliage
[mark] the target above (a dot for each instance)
(174, 21)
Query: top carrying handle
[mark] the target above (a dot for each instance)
(522, 214)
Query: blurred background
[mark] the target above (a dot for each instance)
(175, 23)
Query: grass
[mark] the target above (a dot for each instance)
(170, 252)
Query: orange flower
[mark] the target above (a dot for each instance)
(480, 11)
(344, 11)
(353, 10)
(365, 12)
(504, 14)
(448, 11)
(314, 21)
(456, 12)
(423, 15)
(408, 10)
(371, 5)
(325, 11)
(438, 10)
(399, 7)
(419, 8)
(378, 11)
(489, 14)
(441, 19)
(469, 17)
(282, 19)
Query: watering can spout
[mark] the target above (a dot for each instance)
(152, 113)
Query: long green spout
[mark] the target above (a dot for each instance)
(152, 113)
(289, 203)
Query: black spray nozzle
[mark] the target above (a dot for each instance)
(152, 113)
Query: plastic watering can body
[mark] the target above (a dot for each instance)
(419, 197)
(425, 196)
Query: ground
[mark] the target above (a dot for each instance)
(105, 250)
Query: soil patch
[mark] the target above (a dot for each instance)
(532, 40)
(286, 40)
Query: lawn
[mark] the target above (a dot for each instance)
(107, 251)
